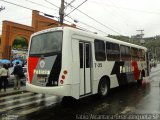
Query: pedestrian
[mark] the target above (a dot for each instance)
(4, 74)
(17, 71)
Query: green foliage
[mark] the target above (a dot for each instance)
(154, 46)
(152, 43)
(19, 43)
(120, 37)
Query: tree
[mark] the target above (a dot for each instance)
(20, 43)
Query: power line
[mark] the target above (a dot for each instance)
(40, 4)
(79, 21)
(16, 4)
(79, 27)
(42, 12)
(97, 21)
(94, 28)
(84, 29)
(89, 26)
(130, 9)
(118, 12)
(52, 4)
(26, 7)
(76, 8)
(68, 4)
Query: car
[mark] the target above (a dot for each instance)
(11, 76)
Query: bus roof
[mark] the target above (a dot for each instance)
(89, 34)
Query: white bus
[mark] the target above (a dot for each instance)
(65, 61)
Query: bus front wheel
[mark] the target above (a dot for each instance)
(103, 87)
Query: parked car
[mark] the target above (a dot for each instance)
(11, 77)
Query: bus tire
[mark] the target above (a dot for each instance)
(139, 82)
(103, 87)
(141, 79)
(67, 101)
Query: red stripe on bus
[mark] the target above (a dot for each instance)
(32, 63)
(136, 70)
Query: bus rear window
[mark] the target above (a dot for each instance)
(50, 42)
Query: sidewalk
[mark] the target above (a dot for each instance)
(10, 91)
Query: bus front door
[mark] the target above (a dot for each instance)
(85, 68)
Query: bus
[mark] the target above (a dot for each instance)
(65, 61)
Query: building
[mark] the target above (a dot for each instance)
(11, 30)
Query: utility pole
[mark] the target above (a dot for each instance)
(2, 8)
(61, 12)
(141, 36)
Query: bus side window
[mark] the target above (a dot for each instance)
(142, 55)
(99, 50)
(128, 53)
(125, 52)
(112, 51)
(134, 53)
(122, 50)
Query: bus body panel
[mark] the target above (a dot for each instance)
(81, 81)
(58, 90)
(40, 68)
(82, 49)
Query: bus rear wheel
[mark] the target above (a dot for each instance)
(103, 87)
(68, 101)
(141, 79)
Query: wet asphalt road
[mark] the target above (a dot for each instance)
(127, 100)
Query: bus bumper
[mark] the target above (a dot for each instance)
(64, 90)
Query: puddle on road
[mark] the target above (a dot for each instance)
(128, 110)
(122, 100)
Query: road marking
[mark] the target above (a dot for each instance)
(24, 104)
(25, 112)
(17, 95)
(20, 99)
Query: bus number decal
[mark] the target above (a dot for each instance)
(98, 65)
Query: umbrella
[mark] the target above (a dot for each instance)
(14, 61)
(5, 61)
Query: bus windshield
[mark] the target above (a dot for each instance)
(46, 43)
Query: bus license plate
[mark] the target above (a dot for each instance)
(42, 80)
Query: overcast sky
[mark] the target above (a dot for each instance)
(120, 17)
